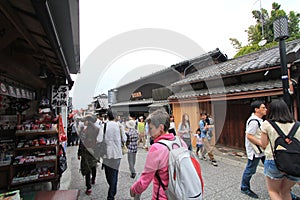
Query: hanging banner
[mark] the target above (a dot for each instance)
(12, 91)
(60, 96)
(3, 89)
(18, 93)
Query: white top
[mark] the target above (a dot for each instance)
(172, 125)
(113, 140)
(252, 128)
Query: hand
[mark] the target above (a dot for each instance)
(132, 194)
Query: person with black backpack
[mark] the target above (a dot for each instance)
(282, 164)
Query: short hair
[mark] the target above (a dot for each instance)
(279, 111)
(255, 104)
(110, 115)
(159, 117)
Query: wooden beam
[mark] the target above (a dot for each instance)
(235, 96)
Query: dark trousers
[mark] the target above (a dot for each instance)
(111, 168)
(88, 178)
(250, 171)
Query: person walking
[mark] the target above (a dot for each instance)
(204, 128)
(88, 163)
(199, 144)
(258, 110)
(141, 130)
(184, 130)
(157, 158)
(112, 161)
(279, 184)
(132, 138)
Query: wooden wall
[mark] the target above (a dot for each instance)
(193, 110)
(229, 117)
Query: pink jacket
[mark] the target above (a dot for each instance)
(157, 160)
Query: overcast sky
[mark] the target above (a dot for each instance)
(209, 24)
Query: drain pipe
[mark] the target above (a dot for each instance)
(43, 11)
(65, 64)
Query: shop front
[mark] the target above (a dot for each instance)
(39, 49)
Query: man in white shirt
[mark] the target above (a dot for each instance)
(252, 129)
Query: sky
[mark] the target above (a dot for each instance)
(121, 41)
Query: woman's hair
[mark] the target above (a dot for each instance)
(279, 111)
(172, 116)
(159, 117)
(184, 121)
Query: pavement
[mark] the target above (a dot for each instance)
(222, 182)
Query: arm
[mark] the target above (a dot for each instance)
(264, 140)
(253, 139)
(154, 157)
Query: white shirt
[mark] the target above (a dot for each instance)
(252, 128)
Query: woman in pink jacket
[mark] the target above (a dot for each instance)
(157, 157)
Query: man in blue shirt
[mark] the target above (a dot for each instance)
(204, 127)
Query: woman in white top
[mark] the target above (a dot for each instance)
(279, 184)
(184, 130)
(172, 128)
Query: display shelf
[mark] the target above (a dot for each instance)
(32, 179)
(50, 146)
(36, 132)
(33, 158)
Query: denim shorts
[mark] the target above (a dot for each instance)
(271, 171)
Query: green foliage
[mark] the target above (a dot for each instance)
(263, 29)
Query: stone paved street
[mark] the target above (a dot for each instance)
(222, 182)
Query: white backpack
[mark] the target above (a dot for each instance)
(185, 177)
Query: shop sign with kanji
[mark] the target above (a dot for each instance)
(60, 95)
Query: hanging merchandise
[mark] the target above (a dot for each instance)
(61, 130)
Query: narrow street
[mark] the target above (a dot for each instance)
(222, 182)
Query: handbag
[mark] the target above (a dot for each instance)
(123, 145)
(124, 148)
(101, 147)
(62, 161)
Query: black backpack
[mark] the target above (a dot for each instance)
(286, 151)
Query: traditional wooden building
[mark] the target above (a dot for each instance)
(152, 91)
(225, 91)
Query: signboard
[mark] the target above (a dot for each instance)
(60, 95)
(136, 95)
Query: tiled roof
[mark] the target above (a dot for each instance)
(233, 89)
(138, 102)
(253, 61)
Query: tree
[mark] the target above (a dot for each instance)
(263, 29)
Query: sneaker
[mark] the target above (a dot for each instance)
(204, 158)
(214, 163)
(93, 182)
(250, 193)
(88, 191)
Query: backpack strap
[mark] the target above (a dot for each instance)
(279, 131)
(170, 143)
(258, 147)
(294, 130)
(254, 120)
